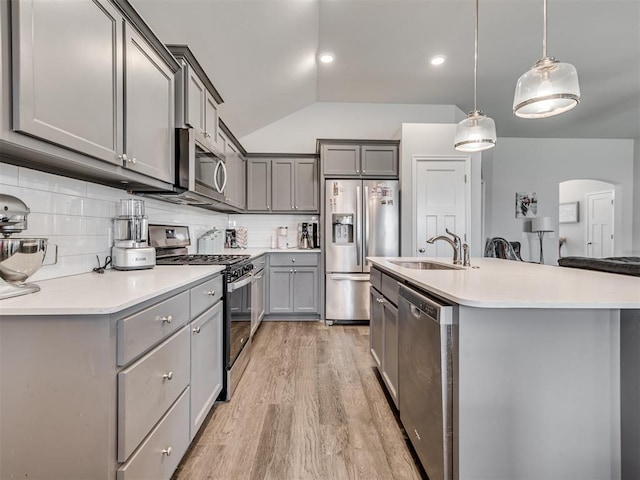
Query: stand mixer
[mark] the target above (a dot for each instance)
(19, 257)
(131, 250)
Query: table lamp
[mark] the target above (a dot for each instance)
(540, 226)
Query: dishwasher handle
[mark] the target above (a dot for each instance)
(420, 304)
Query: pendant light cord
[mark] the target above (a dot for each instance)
(544, 29)
(475, 64)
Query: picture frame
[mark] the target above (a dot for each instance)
(568, 212)
(526, 205)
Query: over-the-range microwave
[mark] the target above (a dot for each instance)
(201, 174)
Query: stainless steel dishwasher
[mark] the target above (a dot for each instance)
(428, 337)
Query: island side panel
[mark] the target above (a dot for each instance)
(630, 392)
(539, 393)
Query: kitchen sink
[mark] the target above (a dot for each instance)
(423, 265)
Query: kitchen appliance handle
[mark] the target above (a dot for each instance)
(350, 277)
(365, 206)
(246, 280)
(358, 226)
(224, 170)
(215, 177)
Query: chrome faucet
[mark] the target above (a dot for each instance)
(459, 250)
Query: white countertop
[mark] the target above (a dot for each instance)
(509, 284)
(94, 293)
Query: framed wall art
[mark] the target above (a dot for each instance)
(526, 205)
(568, 212)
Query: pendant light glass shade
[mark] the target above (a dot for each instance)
(477, 132)
(549, 88)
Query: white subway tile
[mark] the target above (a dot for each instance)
(8, 174)
(52, 183)
(98, 208)
(103, 192)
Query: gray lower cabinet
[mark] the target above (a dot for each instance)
(350, 159)
(206, 364)
(117, 107)
(383, 329)
(110, 396)
(293, 286)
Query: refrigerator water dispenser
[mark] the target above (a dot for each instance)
(342, 231)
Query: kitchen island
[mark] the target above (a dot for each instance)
(545, 371)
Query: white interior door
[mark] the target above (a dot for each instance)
(600, 214)
(440, 203)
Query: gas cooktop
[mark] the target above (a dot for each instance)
(200, 259)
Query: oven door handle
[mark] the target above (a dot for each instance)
(240, 283)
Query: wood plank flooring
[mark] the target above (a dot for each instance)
(309, 406)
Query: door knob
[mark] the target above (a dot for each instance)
(589, 243)
(422, 250)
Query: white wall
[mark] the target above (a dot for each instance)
(575, 233)
(76, 216)
(297, 132)
(539, 165)
(435, 140)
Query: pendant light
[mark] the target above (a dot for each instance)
(549, 88)
(477, 132)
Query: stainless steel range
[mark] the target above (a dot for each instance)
(171, 242)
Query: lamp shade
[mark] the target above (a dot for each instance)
(548, 89)
(542, 224)
(475, 133)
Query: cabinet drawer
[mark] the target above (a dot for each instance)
(154, 459)
(390, 288)
(292, 259)
(205, 295)
(375, 278)
(147, 388)
(141, 331)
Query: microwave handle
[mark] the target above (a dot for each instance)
(224, 182)
(215, 177)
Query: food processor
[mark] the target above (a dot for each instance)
(131, 250)
(19, 257)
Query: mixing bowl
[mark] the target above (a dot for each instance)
(21, 257)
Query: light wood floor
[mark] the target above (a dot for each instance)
(309, 406)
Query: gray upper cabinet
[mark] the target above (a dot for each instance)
(197, 99)
(293, 185)
(340, 159)
(149, 107)
(116, 106)
(259, 184)
(282, 189)
(306, 185)
(61, 95)
(377, 159)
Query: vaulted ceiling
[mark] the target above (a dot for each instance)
(261, 56)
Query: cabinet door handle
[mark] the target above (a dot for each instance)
(290, 271)
(166, 451)
(196, 330)
(295, 271)
(211, 293)
(123, 157)
(168, 376)
(293, 260)
(268, 207)
(167, 319)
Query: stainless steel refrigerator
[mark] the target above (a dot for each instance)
(362, 219)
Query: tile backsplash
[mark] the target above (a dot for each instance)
(77, 216)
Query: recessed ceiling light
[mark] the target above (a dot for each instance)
(438, 60)
(327, 57)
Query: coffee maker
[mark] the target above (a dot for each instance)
(309, 235)
(131, 250)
